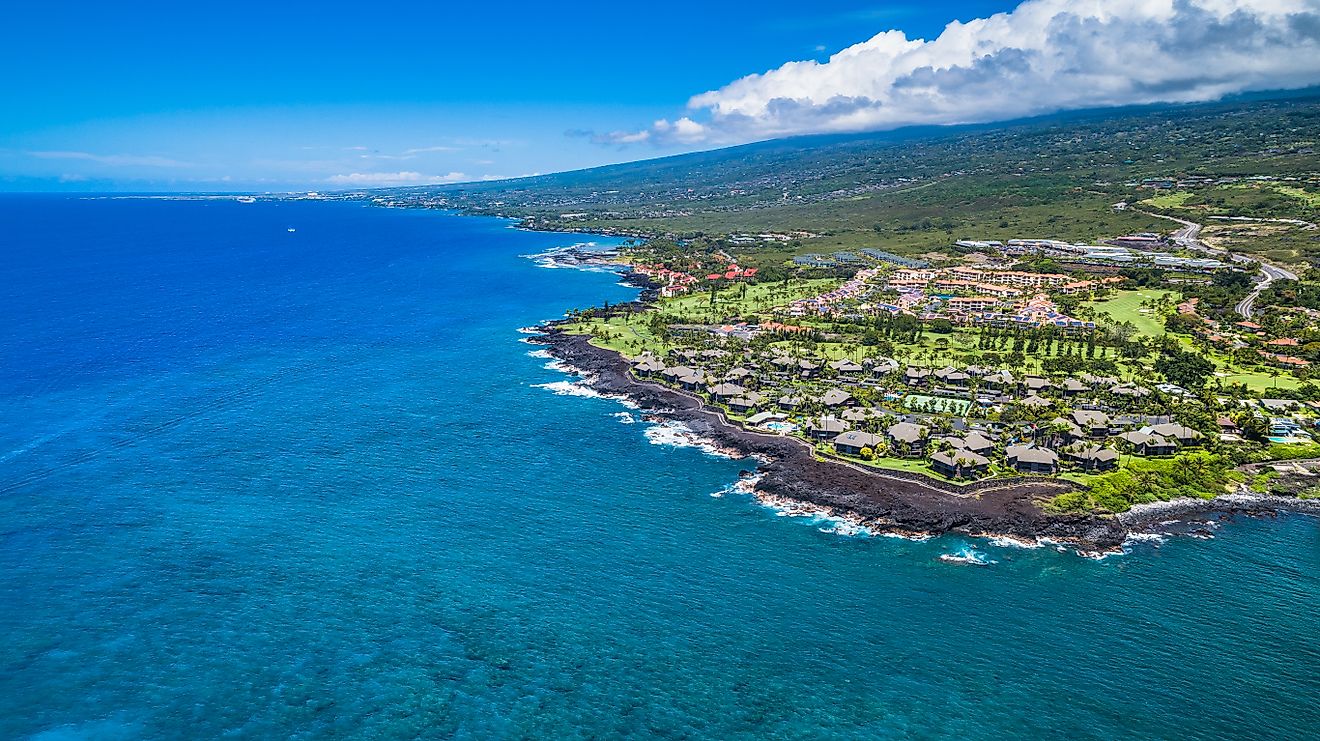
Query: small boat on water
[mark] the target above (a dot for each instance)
(246, 199)
(292, 229)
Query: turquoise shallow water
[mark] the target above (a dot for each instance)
(268, 484)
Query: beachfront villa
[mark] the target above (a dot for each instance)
(851, 443)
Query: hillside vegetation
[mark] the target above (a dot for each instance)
(912, 190)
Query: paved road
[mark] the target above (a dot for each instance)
(1268, 274)
(1188, 237)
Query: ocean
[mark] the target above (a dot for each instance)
(288, 470)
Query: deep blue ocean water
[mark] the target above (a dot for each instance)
(257, 483)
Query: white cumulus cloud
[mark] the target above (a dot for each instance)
(405, 177)
(1044, 56)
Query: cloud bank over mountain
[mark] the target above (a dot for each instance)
(1044, 56)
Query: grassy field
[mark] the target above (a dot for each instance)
(911, 465)
(1126, 306)
(1175, 199)
(1309, 199)
(731, 302)
(1278, 243)
(1259, 381)
(631, 338)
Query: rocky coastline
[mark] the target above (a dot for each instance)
(788, 471)
(789, 475)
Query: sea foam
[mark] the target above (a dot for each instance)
(969, 556)
(678, 435)
(570, 388)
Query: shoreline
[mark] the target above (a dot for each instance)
(790, 475)
(789, 478)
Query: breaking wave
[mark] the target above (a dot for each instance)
(570, 388)
(969, 556)
(1006, 541)
(678, 435)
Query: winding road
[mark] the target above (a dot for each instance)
(1188, 237)
(1268, 274)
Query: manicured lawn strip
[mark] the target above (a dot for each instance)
(1125, 306)
(730, 301)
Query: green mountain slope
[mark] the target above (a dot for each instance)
(907, 190)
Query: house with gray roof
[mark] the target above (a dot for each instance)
(1279, 405)
(881, 366)
(1031, 459)
(1036, 384)
(851, 443)
(1148, 444)
(1069, 429)
(1073, 387)
(1093, 422)
(1092, 457)
(1001, 379)
(789, 402)
(847, 366)
(907, 439)
(1130, 390)
(837, 398)
(914, 376)
(975, 442)
(678, 371)
(959, 463)
(861, 414)
(745, 403)
(1179, 433)
(723, 391)
(647, 366)
(952, 376)
(826, 428)
(1036, 402)
(693, 382)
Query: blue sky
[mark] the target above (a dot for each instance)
(275, 96)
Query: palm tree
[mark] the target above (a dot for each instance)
(1057, 432)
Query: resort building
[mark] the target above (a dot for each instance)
(1030, 459)
(851, 443)
(959, 463)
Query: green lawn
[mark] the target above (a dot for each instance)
(1168, 200)
(630, 338)
(911, 465)
(731, 302)
(1259, 381)
(1125, 306)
